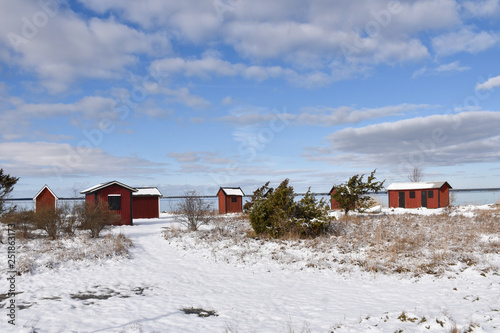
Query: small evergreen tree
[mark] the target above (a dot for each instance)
(353, 195)
(276, 213)
(7, 183)
(258, 194)
(311, 215)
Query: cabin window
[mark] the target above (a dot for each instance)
(114, 202)
(412, 194)
(430, 194)
(234, 199)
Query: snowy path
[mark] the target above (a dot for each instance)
(146, 293)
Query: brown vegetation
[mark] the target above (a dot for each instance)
(41, 253)
(409, 244)
(61, 233)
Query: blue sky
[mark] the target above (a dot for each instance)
(201, 94)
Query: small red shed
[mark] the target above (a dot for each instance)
(230, 200)
(335, 204)
(146, 203)
(421, 194)
(45, 198)
(118, 196)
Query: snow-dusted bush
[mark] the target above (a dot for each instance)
(95, 217)
(276, 213)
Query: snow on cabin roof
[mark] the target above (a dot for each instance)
(43, 188)
(415, 186)
(147, 191)
(103, 185)
(233, 191)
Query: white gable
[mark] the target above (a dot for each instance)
(103, 185)
(43, 188)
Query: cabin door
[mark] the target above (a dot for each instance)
(424, 199)
(402, 200)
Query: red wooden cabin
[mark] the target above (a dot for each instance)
(230, 200)
(422, 194)
(118, 197)
(335, 204)
(146, 203)
(45, 198)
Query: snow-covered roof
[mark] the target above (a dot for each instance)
(147, 191)
(233, 191)
(43, 188)
(103, 185)
(415, 186)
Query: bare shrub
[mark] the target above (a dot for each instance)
(416, 175)
(23, 221)
(51, 220)
(96, 217)
(193, 211)
(71, 221)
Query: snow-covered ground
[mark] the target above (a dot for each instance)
(146, 292)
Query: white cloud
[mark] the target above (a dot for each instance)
(415, 16)
(186, 157)
(319, 116)
(208, 67)
(204, 68)
(468, 137)
(200, 156)
(96, 48)
(250, 119)
(464, 40)
(326, 116)
(482, 8)
(193, 20)
(183, 96)
(489, 84)
(228, 100)
(441, 69)
(18, 115)
(44, 159)
(307, 34)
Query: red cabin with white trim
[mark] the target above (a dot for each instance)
(421, 194)
(230, 200)
(118, 197)
(45, 198)
(334, 204)
(146, 203)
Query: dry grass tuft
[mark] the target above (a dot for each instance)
(41, 254)
(403, 244)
